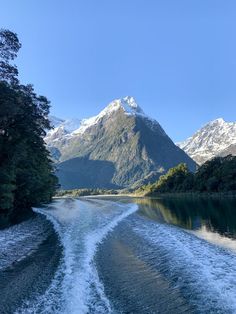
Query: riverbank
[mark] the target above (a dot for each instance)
(212, 195)
(143, 194)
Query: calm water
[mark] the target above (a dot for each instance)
(124, 256)
(213, 215)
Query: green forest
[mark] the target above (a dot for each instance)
(85, 192)
(215, 175)
(26, 171)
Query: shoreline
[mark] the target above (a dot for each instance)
(212, 195)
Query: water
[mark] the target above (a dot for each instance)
(172, 256)
(125, 256)
(81, 226)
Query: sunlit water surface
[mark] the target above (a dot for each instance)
(124, 256)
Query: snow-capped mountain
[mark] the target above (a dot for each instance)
(216, 138)
(55, 122)
(116, 148)
(61, 129)
(127, 104)
(66, 129)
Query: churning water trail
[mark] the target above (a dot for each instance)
(117, 261)
(27, 236)
(205, 273)
(81, 226)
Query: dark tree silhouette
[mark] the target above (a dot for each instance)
(26, 171)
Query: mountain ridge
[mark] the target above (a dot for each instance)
(215, 138)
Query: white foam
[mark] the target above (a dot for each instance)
(207, 270)
(81, 226)
(21, 240)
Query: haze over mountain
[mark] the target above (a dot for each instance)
(216, 138)
(115, 149)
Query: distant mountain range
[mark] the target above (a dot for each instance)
(118, 148)
(216, 138)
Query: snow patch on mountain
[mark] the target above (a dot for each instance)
(67, 129)
(210, 141)
(127, 104)
(61, 128)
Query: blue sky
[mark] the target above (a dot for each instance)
(176, 57)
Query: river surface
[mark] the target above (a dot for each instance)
(120, 255)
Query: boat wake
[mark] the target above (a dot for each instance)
(203, 272)
(144, 266)
(81, 226)
(27, 236)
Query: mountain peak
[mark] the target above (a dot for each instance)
(128, 104)
(213, 139)
(217, 121)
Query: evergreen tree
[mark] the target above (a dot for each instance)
(9, 47)
(26, 171)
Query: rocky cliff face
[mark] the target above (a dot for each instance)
(216, 138)
(115, 149)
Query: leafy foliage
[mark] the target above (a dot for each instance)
(216, 175)
(26, 172)
(9, 46)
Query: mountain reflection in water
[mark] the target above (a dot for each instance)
(212, 215)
